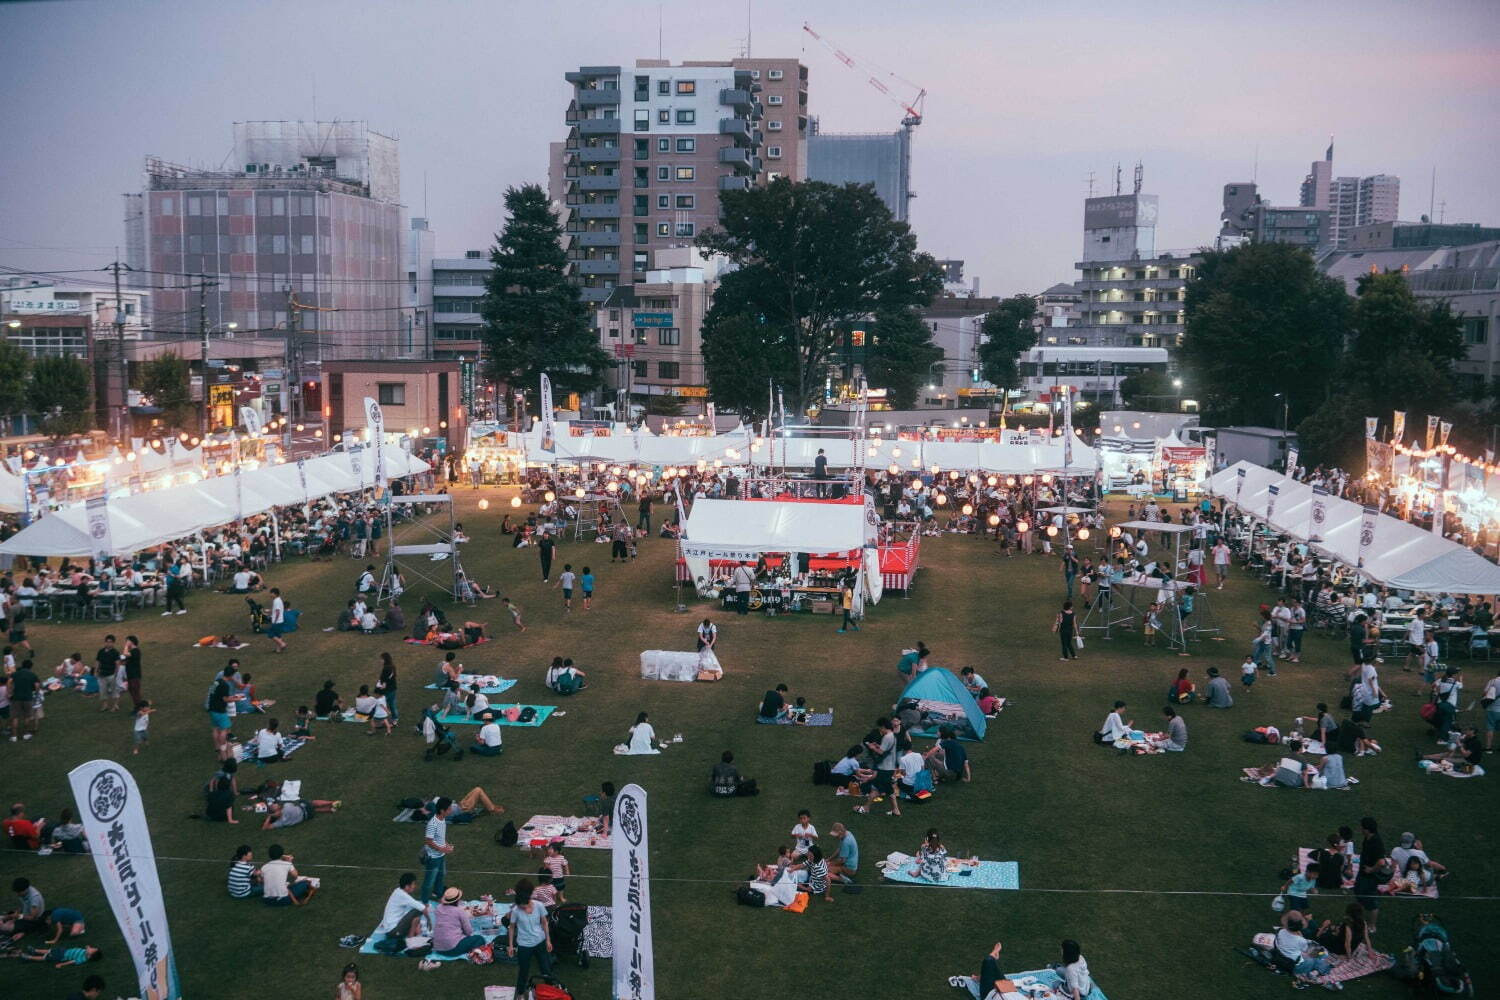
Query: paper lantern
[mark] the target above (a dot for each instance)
(942, 500)
(953, 474)
(894, 469)
(1046, 478)
(580, 493)
(1010, 480)
(895, 452)
(968, 509)
(484, 505)
(1083, 534)
(549, 496)
(994, 520)
(515, 501)
(1022, 527)
(1051, 531)
(1026, 480)
(612, 487)
(1114, 532)
(991, 481)
(916, 484)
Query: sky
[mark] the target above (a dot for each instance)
(1025, 101)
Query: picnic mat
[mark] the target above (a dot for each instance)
(289, 746)
(813, 719)
(1053, 981)
(1362, 963)
(1251, 772)
(599, 934)
(1430, 767)
(499, 993)
(1304, 855)
(567, 827)
(423, 642)
(542, 713)
(989, 875)
(488, 683)
(487, 927)
(220, 645)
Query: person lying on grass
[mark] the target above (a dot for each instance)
(284, 814)
(470, 807)
(61, 958)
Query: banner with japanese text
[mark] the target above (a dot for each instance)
(634, 961)
(375, 424)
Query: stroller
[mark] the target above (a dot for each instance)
(1429, 961)
(568, 922)
(257, 615)
(440, 738)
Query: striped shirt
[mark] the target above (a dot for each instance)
(239, 879)
(437, 832)
(817, 877)
(557, 865)
(544, 894)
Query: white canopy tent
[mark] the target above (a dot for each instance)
(1402, 555)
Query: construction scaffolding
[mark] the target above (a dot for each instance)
(442, 567)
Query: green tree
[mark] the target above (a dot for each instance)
(165, 379)
(1008, 331)
(664, 406)
(1334, 434)
(742, 358)
(534, 321)
(1403, 349)
(15, 369)
(1148, 391)
(59, 393)
(1260, 320)
(811, 259)
(899, 356)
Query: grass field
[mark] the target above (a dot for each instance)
(1159, 866)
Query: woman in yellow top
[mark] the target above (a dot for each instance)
(848, 604)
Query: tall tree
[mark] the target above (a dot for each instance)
(810, 260)
(1403, 349)
(534, 321)
(15, 369)
(899, 356)
(165, 378)
(1262, 320)
(1008, 331)
(743, 358)
(1147, 391)
(60, 394)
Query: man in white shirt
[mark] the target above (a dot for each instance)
(278, 620)
(1416, 639)
(367, 580)
(399, 922)
(487, 743)
(1490, 701)
(1221, 561)
(283, 886)
(1115, 727)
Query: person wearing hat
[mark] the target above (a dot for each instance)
(1411, 847)
(1218, 690)
(1114, 728)
(452, 934)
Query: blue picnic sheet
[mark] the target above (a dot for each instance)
(486, 927)
(813, 719)
(1051, 979)
(542, 714)
(989, 875)
(505, 685)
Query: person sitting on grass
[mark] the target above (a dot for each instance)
(725, 780)
(812, 872)
(372, 707)
(402, 917)
(61, 958)
(990, 981)
(773, 705)
(564, 678)
(327, 701)
(1218, 690)
(270, 745)
(771, 874)
(951, 757)
(67, 834)
(452, 932)
(244, 878)
(988, 703)
(1463, 756)
(843, 865)
(1175, 738)
(64, 921)
(1182, 690)
(283, 885)
(1115, 727)
(487, 743)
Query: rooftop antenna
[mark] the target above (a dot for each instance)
(1442, 211)
(749, 33)
(424, 196)
(1090, 181)
(1140, 175)
(1432, 193)
(1117, 177)
(658, 32)
(1255, 166)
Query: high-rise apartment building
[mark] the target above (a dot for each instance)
(300, 237)
(1348, 201)
(879, 158)
(650, 148)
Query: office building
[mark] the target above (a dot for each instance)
(416, 299)
(1246, 217)
(650, 148)
(300, 237)
(1349, 201)
(1418, 235)
(653, 330)
(879, 158)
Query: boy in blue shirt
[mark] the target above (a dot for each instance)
(587, 583)
(1299, 886)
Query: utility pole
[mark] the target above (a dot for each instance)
(203, 344)
(293, 359)
(120, 412)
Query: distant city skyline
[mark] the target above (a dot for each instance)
(1022, 105)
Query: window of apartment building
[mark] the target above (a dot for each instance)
(687, 201)
(1476, 329)
(774, 153)
(642, 87)
(306, 244)
(642, 149)
(614, 315)
(663, 201)
(664, 116)
(1175, 273)
(669, 337)
(686, 229)
(774, 100)
(663, 145)
(194, 244)
(640, 260)
(856, 338)
(663, 229)
(686, 173)
(663, 173)
(642, 177)
(664, 88)
(668, 369)
(687, 145)
(640, 369)
(775, 74)
(642, 233)
(773, 175)
(686, 116)
(165, 206)
(642, 120)
(642, 205)
(392, 393)
(195, 206)
(687, 86)
(774, 125)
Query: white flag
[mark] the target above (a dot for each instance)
(1273, 491)
(549, 422)
(114, 825)
(1367, 527)
(1239, 485)
(1067, 427)
(375, 422)
(99, 534)
(634, 962)
(1318, 515)
(302, 478)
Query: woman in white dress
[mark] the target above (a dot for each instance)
(642, 737)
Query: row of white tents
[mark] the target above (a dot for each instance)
(1399, 554)
(143, 520)
(742, 447)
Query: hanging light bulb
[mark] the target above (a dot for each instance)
(952, 473)
(580, 493)
(973, 479)
(515, 501)
(1083, 534)
(934, 470)
(994, 520)
(894, 469)
(967, 509)
(916, 484)
(612, 486)
(1114, 532)
(1046, 478)
(549, 496)
(1027, 480)
(992, 481)
(1022, 527)
(1051, 531)
(1010, 480)
(942, 500)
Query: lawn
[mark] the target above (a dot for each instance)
(1159, 866)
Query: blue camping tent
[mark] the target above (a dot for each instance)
(936, 685)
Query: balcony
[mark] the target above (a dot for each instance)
(598, 266)
(735, 97)
(599, 182)
(599, 126)
(739, 128)
(585, 74)
(599, 154)
(598, 239)
(734, 183)
(738, 156)
(594, 294)
(598, 98)
(597, 211)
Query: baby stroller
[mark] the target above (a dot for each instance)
(257, 615)
(1429, 961)
(440, 738)
(568, 923)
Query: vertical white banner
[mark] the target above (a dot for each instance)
(251, 420)
(1372, 424)
(1317, 514)
(356, 465)
(1067, 430)
(549, 423)
(1239, 485)
(1432, 429)
(98, 515)
(1367, 526)
(114, 824)
(1272, 492)
(375, 423)
(239, 495)
(302, 478)
(634, 962)
(1444, 429)
(1291, 462)
(1398, 426)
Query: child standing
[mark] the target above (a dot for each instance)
(556, 862)
(515, 613)
(1247, 671)
(566, 580)
(1299, 886)
(587, 583)
(142, 726)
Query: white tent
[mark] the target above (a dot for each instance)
(12, 491)
(743, 529)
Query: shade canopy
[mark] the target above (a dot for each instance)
(743, 529)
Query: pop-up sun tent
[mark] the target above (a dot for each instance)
(943, 696)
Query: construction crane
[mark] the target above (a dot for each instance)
(912, 108)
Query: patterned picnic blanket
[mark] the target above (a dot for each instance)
(577, 832)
